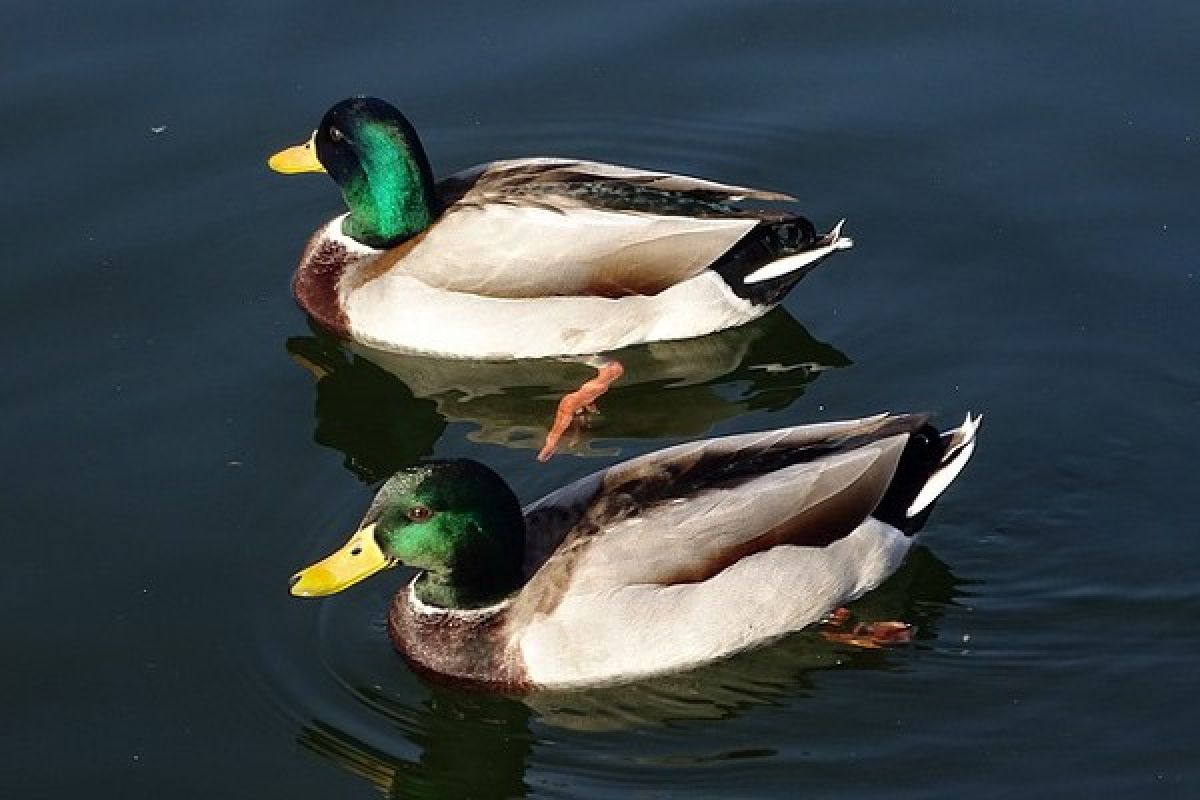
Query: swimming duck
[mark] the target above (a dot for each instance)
(656, 564)
(533, 257)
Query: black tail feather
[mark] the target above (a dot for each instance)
(922, 456)
(771, 240)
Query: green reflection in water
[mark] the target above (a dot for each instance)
(470, 746)
(364, 412)
(384, 410)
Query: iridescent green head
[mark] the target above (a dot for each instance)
(456, 520)
(374, 155)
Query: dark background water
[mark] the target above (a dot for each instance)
(1021, 182)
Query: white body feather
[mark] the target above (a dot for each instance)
(632, 631)
(522, 251)
(623, 615)
(398, 311)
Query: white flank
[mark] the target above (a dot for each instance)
(792, 263)
(643, 629)
(397, 312)
(945, 474)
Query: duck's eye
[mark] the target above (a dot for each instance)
(419, 513)
(336, 134)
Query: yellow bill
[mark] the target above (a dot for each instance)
(358, 559)
(294, 160)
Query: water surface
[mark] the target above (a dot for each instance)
(1020, 183)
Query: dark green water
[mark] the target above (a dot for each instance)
(1021, 182)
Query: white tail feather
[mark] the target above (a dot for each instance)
(962, 444)
(792, 263)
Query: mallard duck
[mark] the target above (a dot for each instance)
(663, 562)
(533, 257)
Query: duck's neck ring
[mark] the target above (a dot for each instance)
(454, 591)
(421, 606)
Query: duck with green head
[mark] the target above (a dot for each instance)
(656, 564)
(533, 257)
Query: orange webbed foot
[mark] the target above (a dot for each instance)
(576, 402)
(839, 627)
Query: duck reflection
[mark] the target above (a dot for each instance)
(364, 411)
(383, 410)
(470, 746)
(480, 745)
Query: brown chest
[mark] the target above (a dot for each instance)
(315, 284)
(469, 649)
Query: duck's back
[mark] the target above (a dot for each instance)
(544, 227)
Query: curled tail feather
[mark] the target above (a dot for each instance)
(959, 443)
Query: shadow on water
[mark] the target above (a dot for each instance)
(480, 745)
(364, 412)
(470, 746)
(384, 410)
